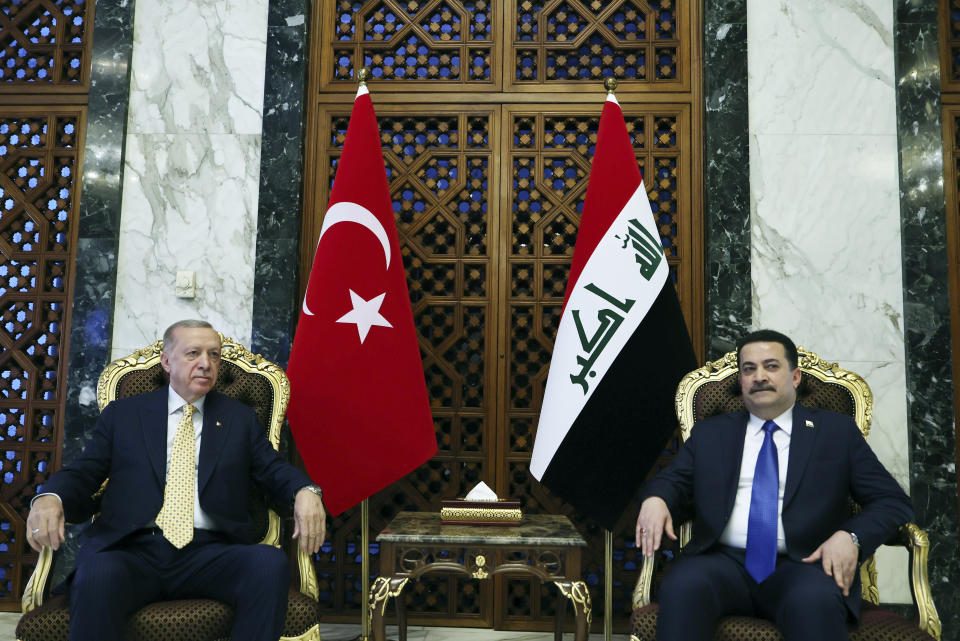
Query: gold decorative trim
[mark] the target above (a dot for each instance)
(313, 634)
(33, 592)
(308, 575)
(644, 586)
(868, 581)
(918, 547)
(381, 591)
(480, 573)
(579, 596)
(481, 514)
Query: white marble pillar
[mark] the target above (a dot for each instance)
(825, 210)
(191, 167)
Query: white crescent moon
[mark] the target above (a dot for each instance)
(347, 212)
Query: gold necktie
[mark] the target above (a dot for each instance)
(176, 515)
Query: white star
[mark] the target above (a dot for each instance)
(365, 314)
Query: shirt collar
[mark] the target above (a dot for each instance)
(175, 402)
(784, 422)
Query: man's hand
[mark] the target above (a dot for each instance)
(309, 521)
(839, 556)
(45, 523)
(653, 519)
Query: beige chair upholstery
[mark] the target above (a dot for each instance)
(714, 389)
(264, 387)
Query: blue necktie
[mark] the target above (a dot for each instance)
(761, 553)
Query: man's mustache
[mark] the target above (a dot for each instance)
(762, 387)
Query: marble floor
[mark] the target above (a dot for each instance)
(338, 632)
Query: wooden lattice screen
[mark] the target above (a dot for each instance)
(44, 83)
(488, 113)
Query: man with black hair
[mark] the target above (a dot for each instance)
(773, 534)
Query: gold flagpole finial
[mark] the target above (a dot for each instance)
(362, 76)
(610, 84)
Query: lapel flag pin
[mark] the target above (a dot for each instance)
(809, 423)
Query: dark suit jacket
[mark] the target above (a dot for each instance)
(829, 463)
(129, 445)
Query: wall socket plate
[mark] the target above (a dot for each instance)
(186, 286)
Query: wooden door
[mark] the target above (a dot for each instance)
(488, 115)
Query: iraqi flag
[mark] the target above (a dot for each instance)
(358, 399)
(621, 348)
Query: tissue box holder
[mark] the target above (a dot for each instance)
(463, 512)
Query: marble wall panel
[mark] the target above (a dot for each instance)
(826, 265)
(198, 66)
(189, 204)
(192, 166)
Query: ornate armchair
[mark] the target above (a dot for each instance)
(264, 387)
(714, 389)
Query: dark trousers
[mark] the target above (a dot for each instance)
(111, 585)
(799, 598)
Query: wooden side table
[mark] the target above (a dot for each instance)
(546, 546)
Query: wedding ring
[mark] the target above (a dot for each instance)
(643, 531)
(34, 531)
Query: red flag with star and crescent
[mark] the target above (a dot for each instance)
(358, 399)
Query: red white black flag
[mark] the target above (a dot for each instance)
(358, 403)
(621, 348)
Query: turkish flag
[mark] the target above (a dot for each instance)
(358, 400)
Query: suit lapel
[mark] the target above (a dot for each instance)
(732, 459)
(153, 425)
(216, 427)
(802, 440)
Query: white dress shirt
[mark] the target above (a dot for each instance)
(174, 413)
(735, 533)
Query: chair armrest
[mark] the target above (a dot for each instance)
(643, 590)
(37, 586)
(308, 574)
(915, 540)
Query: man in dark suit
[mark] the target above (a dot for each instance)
(773, 535)
(173, 520)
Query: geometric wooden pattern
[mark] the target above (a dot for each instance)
(45, 68)
(949, 32)
(588, 40)
(412, 41)
(45, 46)
(439, 167)
(458, 44)
(488, 113)
(39, 165)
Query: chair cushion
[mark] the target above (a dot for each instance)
(183, 620)
(876, 624)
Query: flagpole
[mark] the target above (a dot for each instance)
(365, 569)
(610, 84)
(362, 76)
(608, 586)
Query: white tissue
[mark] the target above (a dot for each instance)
(481, 492)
